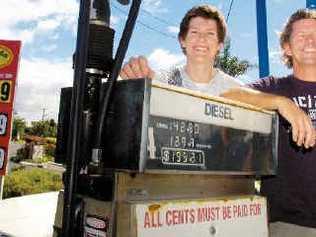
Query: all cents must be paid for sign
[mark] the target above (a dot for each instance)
(239, 216)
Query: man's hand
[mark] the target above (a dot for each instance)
(137, 68)
(303, 132)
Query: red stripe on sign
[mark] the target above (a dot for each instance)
(9, 61)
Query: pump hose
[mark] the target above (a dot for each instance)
(119, 57)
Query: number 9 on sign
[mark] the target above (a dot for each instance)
(5, 91)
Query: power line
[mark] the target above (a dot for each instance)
(158, 31)
(145, 25)
(230, 8)
(167, 22)
(158, 18)
(161, 20)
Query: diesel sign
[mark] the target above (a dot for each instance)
(218, 111)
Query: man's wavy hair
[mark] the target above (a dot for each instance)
(207, 12)
(287, 31)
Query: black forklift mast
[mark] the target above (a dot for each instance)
(93, 62)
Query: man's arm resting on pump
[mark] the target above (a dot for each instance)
(303, 132)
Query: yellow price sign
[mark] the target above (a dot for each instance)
(5, 91)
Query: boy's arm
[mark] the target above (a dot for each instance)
(303, 132)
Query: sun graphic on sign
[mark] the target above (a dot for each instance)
(6, 56)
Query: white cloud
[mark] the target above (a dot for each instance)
(162, 59)
(275, 56)
(39, 83)
(27, 36)
(30, 10)
(114, 20)
(154, 6)
(277, 32)
(54, 36)
(48, 25)
(39, 80)
(173, 29)
(49, 48)
(22, 19)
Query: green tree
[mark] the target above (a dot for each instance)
(232, 65)
(45, 128)
(18, 127)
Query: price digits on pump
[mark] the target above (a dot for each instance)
(184, 133)
(182, 156)
(5, 91)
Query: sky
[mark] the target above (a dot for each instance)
(48, 29)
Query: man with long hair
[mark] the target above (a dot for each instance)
(291, 193)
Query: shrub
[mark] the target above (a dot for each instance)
(21, 154)
(30, 181)
(50, 140)
(24, 153)
(43, 159)
(49, 149)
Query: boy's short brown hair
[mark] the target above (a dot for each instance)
(207, 12)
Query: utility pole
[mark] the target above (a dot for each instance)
(43, 114)
(311, 4)
(1, 186)
(262, 37)
(2, 180)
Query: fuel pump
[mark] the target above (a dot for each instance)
(93, 63)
